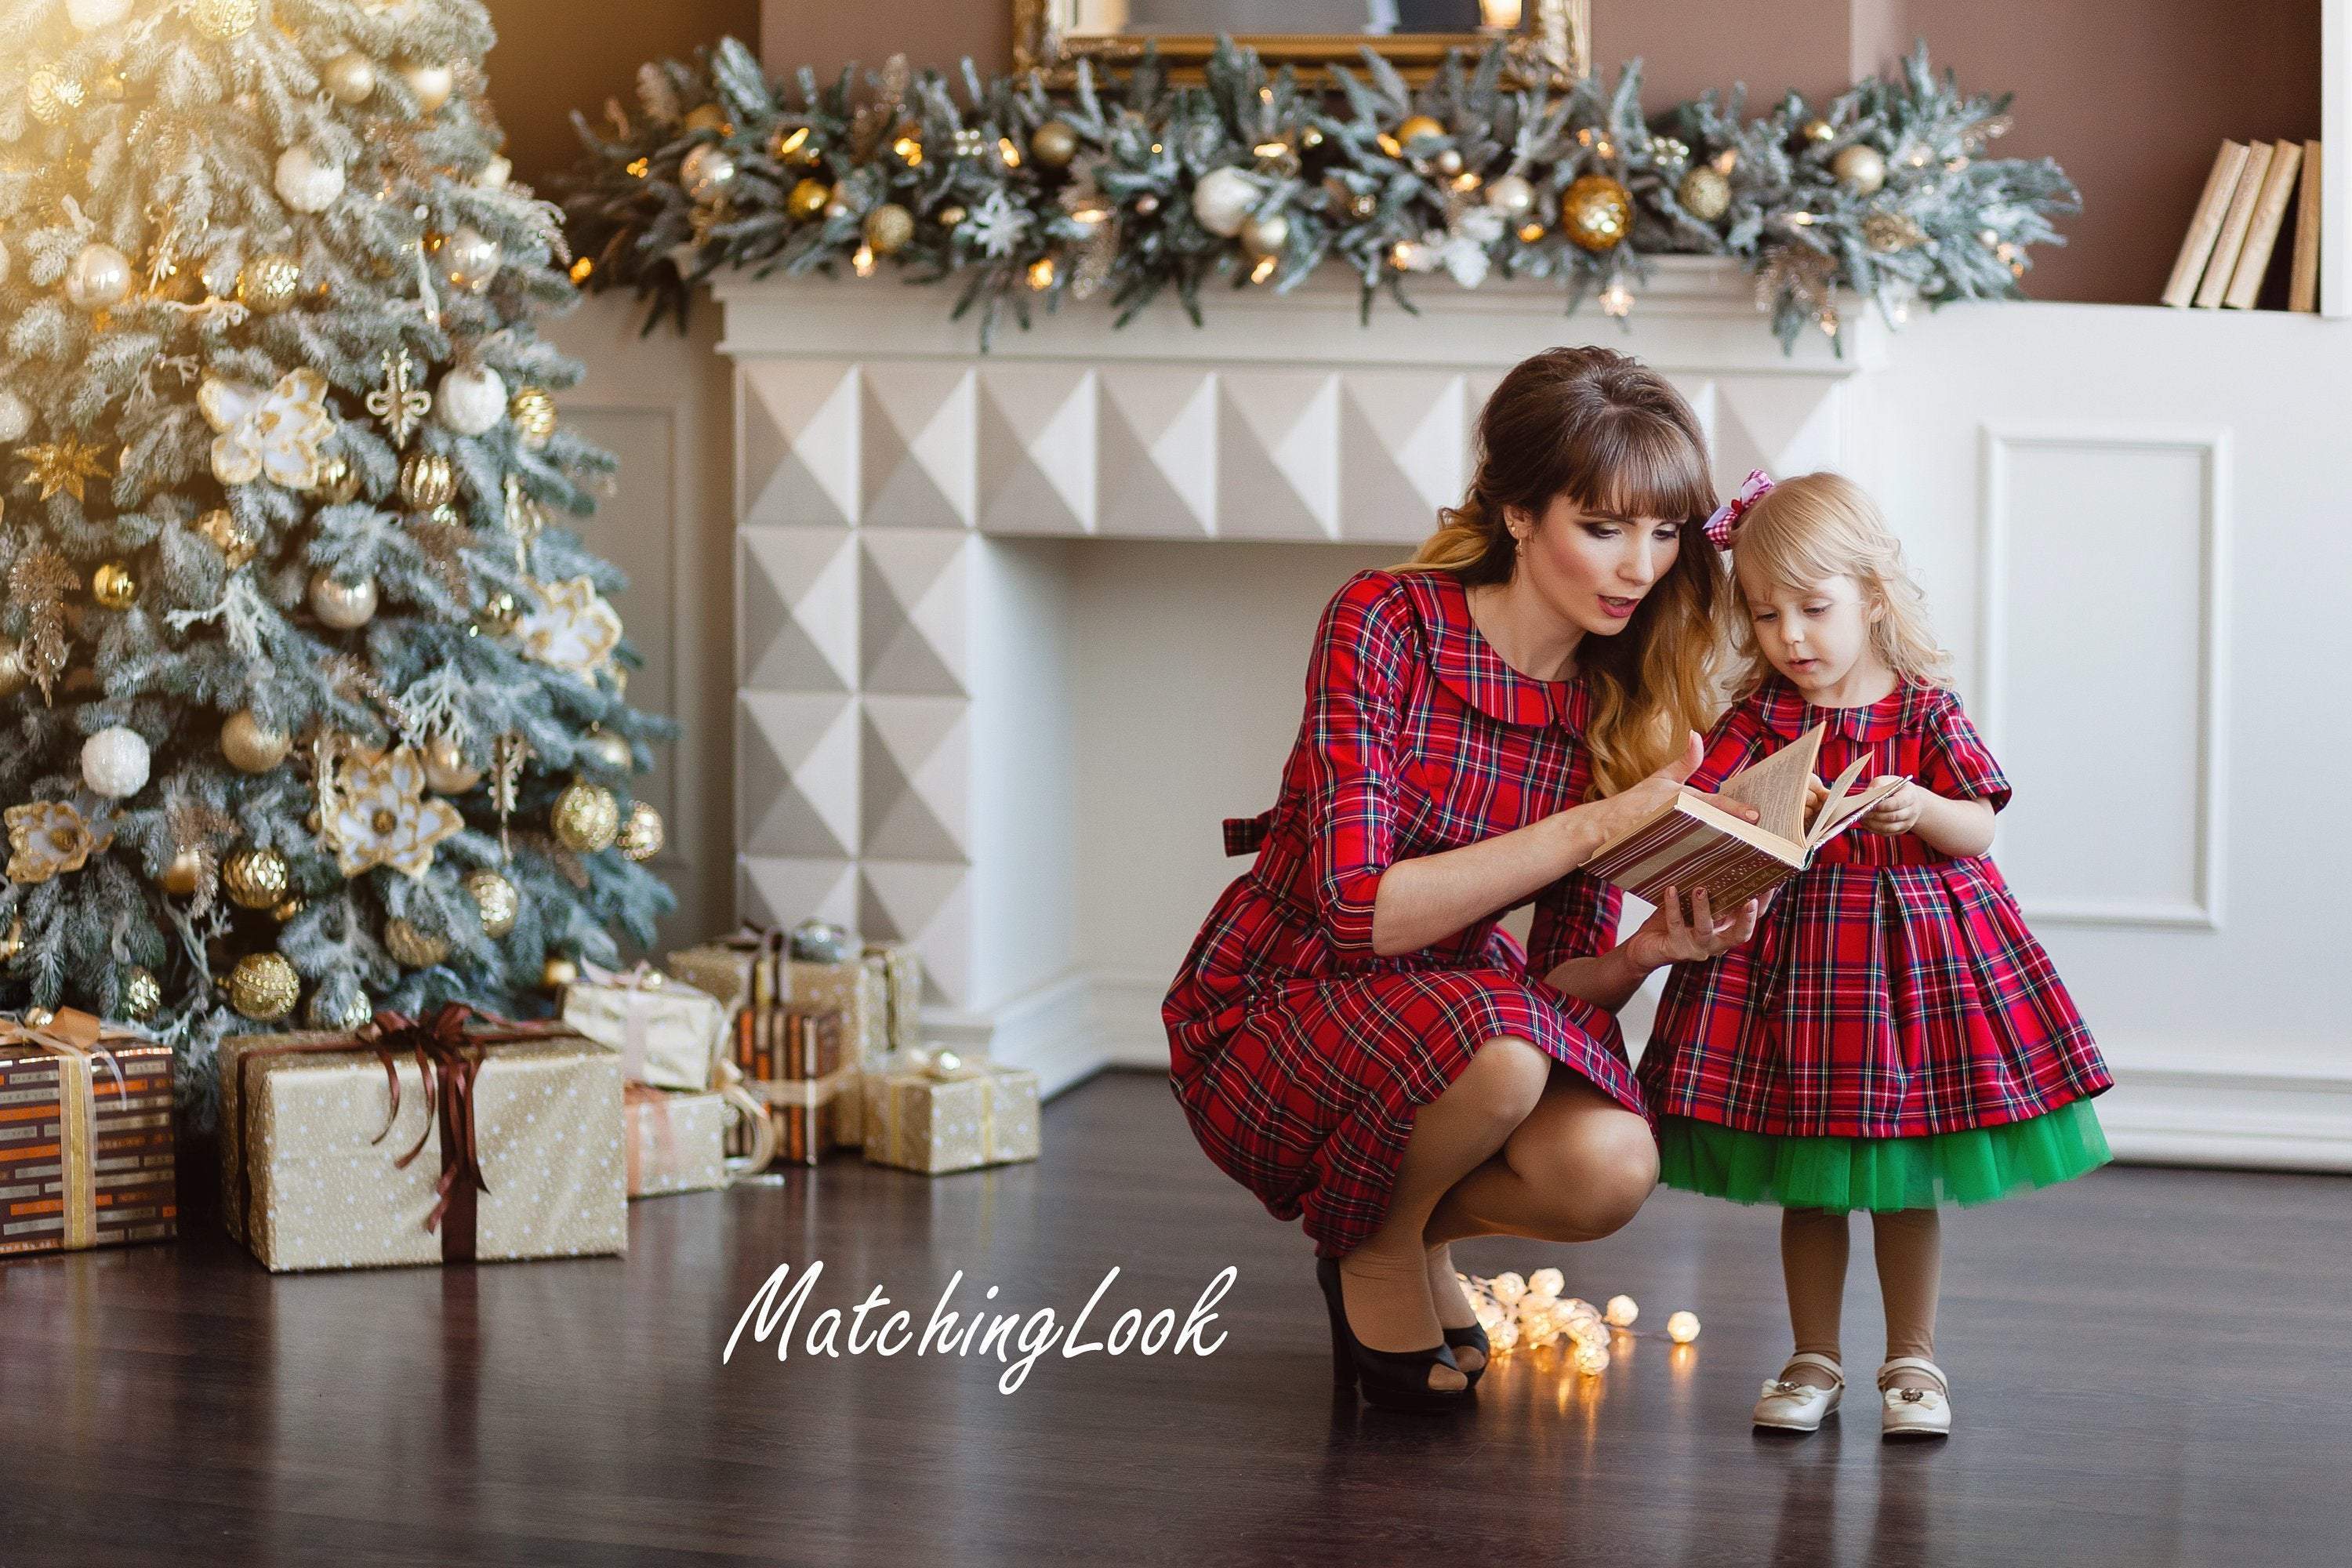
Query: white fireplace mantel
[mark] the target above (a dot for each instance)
(920, 686)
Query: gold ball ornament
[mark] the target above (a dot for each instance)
(51, 94)
(114, 586)
(412, 948)
(642, 833)
(264, 987)
(432, 84)
(1860, 168)
(221, 529)
(268, 283)
(1418, 125)
(1704, 193)
(323, 1013)
(533, 409)
(339, 482)
(446, 770)
(496, 899)
(251, 746)
(1263, 235)
(98, 277)
(558, 972)
(888, 228)
(807, 199)
(1511, 194)
(586, 817)
(287, 907)
(607, 750)
(180, 874)
(427, 480)
(707, 117)
(138, 993)
(1053, 144)
(1596, 212)
(349, 77)
(342, 605)
(951, 215)
(222, 20)
(14, 676)
(254, 877)
(1819, 129)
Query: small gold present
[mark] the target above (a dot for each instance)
(669, 1033)
(935, 1111)
(678, 1142)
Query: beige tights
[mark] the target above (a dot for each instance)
(1909, 1244)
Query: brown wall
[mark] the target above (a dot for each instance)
(2130, 99)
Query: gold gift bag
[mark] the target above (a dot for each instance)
(933, 1111)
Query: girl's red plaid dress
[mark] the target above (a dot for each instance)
(1891, 990)
(1298, 1055)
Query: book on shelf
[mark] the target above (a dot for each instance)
(2235, 225)
(2303, 278)
(1690, 843)
(2205, 226)
(2262, 229)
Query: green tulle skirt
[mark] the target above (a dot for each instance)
(1974, 1167)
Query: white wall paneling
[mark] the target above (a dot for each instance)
(2103, 595)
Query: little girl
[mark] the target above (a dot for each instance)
(1894, 1035)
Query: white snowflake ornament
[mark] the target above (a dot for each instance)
(996, 226)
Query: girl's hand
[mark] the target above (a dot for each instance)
(1816, 792)
(1898, 812)
(1614, 816)
(1667, 938)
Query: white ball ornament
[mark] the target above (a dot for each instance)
(98, 277)
(1622, 1310)
(349, 77)
(432, 84)
(1221, 200)
(1512, 195)
(1546, 1284)
(306, 182)
(90, 15)
(16, 416)
(1508, 1288)
(706, 173)
(469, 258)
(470, 399)
(114, 763)
(1592, 1360)
(495, 173)
(342, 605)
(1683, 1328)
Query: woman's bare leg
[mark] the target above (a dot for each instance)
(1384, 1282)
(1576, 1169)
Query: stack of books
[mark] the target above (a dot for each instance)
(2227, 249)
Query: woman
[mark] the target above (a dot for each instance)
(1352, 1036)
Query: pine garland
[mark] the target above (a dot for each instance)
(1021, 197)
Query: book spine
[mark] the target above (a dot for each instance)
(2262, 233)
(1694, 857)
(2239, 218)
(2302, 282)
(2205, 225)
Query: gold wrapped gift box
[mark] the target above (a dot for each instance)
(405, 1144)
(670, 1035)
(678, 1142)
(933, 1111)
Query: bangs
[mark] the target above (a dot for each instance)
(1639, 465)
(1787, 560)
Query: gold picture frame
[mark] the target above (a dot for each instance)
(1552, 44)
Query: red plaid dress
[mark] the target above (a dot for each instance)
(1298, 1055)
(1891, 990)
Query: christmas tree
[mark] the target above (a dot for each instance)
(307, 708)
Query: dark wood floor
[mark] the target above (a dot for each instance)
(2153, 1368)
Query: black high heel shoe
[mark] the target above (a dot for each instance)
(1393, 1380)
(1473, 1338)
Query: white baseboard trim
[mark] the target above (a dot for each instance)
(2170, 1114)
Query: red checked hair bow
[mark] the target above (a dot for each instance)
(1724, 520)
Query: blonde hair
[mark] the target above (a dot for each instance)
(1612, 435)
(1802, 532)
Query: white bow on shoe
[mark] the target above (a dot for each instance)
(1914, 1412)
(1800, 1407)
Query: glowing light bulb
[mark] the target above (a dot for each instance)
(1617, 300)
(1622, 1310)
(1546, 1284)
(1508, 1288)
(1683, 1328)
(1592, 1360)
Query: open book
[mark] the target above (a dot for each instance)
(1692, 843)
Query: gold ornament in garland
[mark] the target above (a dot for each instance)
(607, 750)
(268, 283)
(222, 20)
(138, 993)
(337, 480)
(340, 605)
(411, 947)
(323, 1014)
(889, 229)
(498, 899)
(1860, 168)
(65, 464)
(254, 877)
(426, 480)
(446, 769)
(1819, 129)
(114, 586)
(557, 973)
(807, 199)
(183, 874)
(1053, 144)
(1704, 193)
(1414, 126)
(287, 907)
(533, 409)
(221, 529)
(1597, 213)
(585, 818)
(264, 987)
(251, 746)
(400, 403)
(1891, 231)
(642, 834)
(100, 278)
(51, 94)
(709, 117)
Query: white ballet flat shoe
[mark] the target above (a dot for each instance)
(1914, 1412)
(1800, 1407)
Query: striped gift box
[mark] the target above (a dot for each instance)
(87, 1157)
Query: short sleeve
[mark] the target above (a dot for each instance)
(1954, 761)
(1576, 917)
(1349, 741)
(1735, 740)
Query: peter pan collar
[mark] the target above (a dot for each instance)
(1786, 713)
(1466, 664)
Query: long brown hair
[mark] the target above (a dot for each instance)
(1612, 435)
